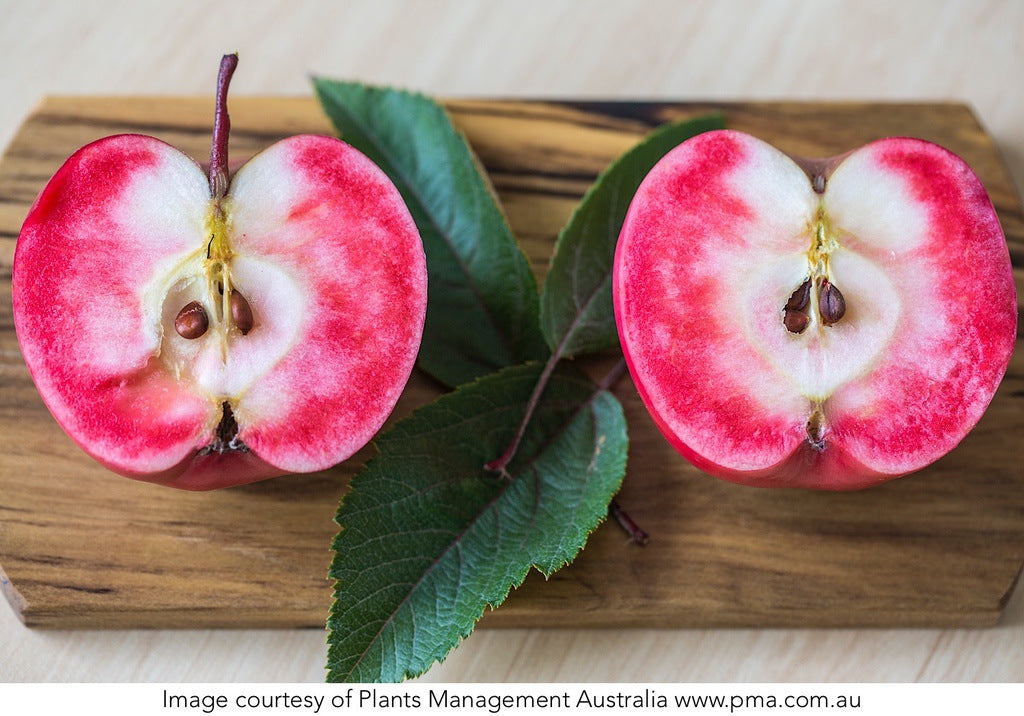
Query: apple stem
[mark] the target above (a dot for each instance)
(499, 464)
(637, 535)
(221, 128)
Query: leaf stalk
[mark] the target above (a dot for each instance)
(637, 535)
(500, 464)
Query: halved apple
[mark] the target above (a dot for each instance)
(827, 329)
(201, 335)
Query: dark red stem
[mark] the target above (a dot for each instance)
(221, 128)
(499, 464)
(636, 535)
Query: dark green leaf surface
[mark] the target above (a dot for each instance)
(429, 538)
(576, 304)
(482, 303)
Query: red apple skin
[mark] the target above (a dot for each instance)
(699, 315)
(343, 249)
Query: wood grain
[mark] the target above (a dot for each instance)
(84, 548)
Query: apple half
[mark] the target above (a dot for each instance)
(200, 335)
(831, 328)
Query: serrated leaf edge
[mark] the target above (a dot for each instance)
(516, 582)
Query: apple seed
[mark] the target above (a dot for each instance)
(241, 312)
(793, 314)
(191, 321)
(832, 305)
(800, 298)
(795, 321)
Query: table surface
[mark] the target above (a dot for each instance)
(725, 49)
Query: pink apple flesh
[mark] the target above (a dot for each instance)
(311, 233)
(722, 233)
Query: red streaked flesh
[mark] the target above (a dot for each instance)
(715, 242)
(958, 324)
(322, 212)
(118, 210)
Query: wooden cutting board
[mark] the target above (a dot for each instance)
(82, 547)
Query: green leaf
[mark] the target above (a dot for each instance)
(576, 304)
(429, 538)
(482, 302)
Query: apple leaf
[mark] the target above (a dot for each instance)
(482, 302)
(576, 303)
(430, 538)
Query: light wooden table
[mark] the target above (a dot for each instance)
(549, 48)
